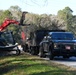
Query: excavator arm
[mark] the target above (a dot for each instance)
(7, 22)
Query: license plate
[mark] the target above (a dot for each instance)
(68, 47)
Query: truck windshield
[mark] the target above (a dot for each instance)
(62, 36)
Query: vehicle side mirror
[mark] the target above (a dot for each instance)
(45, 37)
(49, 38)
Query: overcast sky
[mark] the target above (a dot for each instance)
(39, 6)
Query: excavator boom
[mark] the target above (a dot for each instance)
(8, 22)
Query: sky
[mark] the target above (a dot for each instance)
(39, 6)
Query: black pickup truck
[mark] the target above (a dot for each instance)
(58, 44)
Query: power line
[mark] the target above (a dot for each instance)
(45, 2)
(25, 2)
(35, 2)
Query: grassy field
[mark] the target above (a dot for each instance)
(26, 64)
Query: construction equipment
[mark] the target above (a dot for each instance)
(4, 45)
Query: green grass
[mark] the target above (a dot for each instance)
(31, 65)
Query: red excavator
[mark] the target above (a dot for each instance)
(4, 45)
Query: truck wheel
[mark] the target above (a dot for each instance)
(25, 48)
(36, 50)
(41, 52)
(51, 55)
(32, 51)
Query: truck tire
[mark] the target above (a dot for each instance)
(34, 51)
(51, 56)
(41, 52)
(25, 48)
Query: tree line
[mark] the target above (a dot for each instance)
(63, 20)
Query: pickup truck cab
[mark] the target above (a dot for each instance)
(58, 44)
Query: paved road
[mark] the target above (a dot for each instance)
(68, 62)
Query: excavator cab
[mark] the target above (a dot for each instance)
(2, 40)
(6, 38)
(7, 43)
